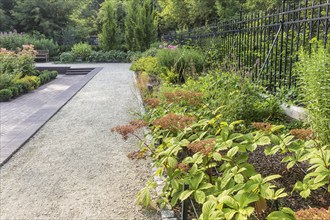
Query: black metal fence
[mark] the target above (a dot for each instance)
(265, 45)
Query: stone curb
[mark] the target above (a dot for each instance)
(166, 213)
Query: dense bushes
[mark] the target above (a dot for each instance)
(174, 65)
(18, 73)
(82, 51)
(112, 56)
(12, 41)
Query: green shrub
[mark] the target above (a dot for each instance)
(5, 80)
(239, 98)
(14, 40)
(28, 83)
(67, 57)
(146, 64)
(183, 62)
(82, 50)
(313, 72)
(97, 56)
(46, 76)
(21, 62)
(5, 95)
(15, 90)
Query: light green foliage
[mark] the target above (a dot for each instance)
(180, 64)
(140, 25)
(67, 57)
(313, 72)
(84, 17)
(82, 50)
(14, 41)
(110, 37)
(146, 64)
(237, 98)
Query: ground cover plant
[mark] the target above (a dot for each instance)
(18, 74)
(219, 142)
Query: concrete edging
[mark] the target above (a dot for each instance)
(167, 213)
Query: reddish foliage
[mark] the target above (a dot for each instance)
(183, 167)
(192, 98)
(152, 102)
(174, 122)
(262, 126)
(313, 214)
(137, 155)
(204, 146)
(139, 123)
(302, 134)
(125, 130)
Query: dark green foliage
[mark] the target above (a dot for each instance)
(16, 90)
(5, 95)
(67, 57)
(43, 16)
(46, 76)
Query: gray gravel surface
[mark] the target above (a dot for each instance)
(74, 167)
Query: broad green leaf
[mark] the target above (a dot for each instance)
(305, 193)
(232, 152)
(185, 194)
(143, 197)
(208, 207)
(196, 180)
(175, 184)
(229, 213)
(217, 156)
(245, 198)
(175, 198)
(199, 196)
(172, 162)
(239, 178)
(271, 177)
(229, 201)
(280, 215)
(263, 141)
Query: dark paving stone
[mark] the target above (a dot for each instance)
(23, 117)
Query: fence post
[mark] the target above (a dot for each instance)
(281, 47)
(184, 206)
(239, 38)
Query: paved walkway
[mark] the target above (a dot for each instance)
(25, 115)
(74, 167)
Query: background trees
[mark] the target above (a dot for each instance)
(120, 24)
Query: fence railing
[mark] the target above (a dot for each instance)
(265, 45)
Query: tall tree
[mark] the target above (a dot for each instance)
(44, 16)
(110, 35)
(140, 25)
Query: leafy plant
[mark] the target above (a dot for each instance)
(313, 72)
(5, 94)
(82, 50)
(67, 57)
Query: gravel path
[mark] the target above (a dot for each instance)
(74, 167)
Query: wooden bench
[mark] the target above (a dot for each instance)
(42, 54)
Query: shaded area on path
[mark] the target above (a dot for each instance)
(74, 167)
